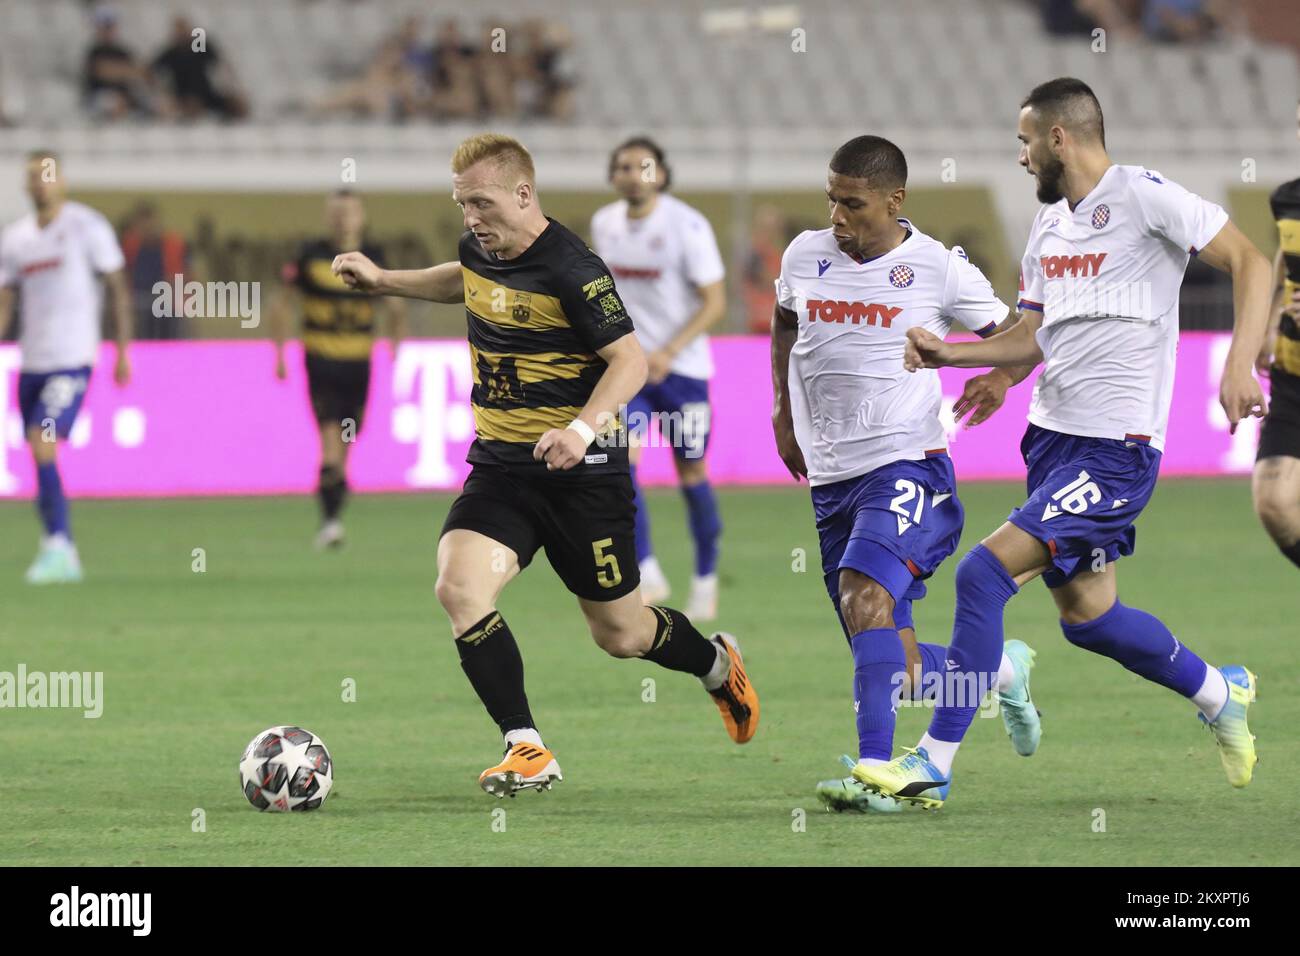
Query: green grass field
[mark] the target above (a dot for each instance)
(195, 664)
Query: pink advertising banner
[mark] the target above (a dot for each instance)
(210, 418)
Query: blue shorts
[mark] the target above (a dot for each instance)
(687, 401)
(1084, 495)
(895, 525)
(52, 396)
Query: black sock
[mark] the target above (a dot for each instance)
(1293, 553)
(491, 660)
(678, 646)
(333, 489)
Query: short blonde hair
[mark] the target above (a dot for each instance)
(507, 152)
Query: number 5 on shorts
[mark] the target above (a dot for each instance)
(607, 572)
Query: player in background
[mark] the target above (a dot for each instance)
(669, 271)
(54, 258)
(869, 439)
(1101, 275)
(338, 332)
(554, 361)
(1276, 482)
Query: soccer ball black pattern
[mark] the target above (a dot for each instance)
(286, 768)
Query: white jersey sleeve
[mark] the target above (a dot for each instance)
(102, 247)
(1031, 295)
(786, 297)
(968, 297)
(1176, 214)
(703, 260)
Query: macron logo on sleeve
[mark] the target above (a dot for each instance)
(822, 266)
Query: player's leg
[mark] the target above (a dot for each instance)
(1093, 618)
(331, 488)
(589, 537)
(488, 537)
(49, 404)
(1275, 487)
(654, 584)
(626, 627)
(688, 400)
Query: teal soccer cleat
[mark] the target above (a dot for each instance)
(847, 795)
(1019, 715)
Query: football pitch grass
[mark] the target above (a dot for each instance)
(195, 663)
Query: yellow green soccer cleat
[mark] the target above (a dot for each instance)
(1019, 715)
(847, 795)
(911, 778)
(1236, 742)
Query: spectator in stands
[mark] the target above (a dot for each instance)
(396, 83)
(1179, 21)
(768, 238)
(455, 68)
(153, 255)
(112, 80)
(1119, 18)
(547, 70)
(198, 80)
(499, 62)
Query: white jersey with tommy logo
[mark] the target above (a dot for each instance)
(56, 269)
(1106, 278)
(659, 262)
(855, 407)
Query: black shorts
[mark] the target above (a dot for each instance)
(338, 388)
(1280, 433)
(586, 525)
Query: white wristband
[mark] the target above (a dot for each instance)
(582, 428)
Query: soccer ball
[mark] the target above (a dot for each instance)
(286, 768)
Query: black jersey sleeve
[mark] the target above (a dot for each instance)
(592, 303)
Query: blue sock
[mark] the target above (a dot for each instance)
(983, 590)
(706, 525)
(1143, 644)
(877, 663)
(932, 658)
(643, 546)
(50, 501)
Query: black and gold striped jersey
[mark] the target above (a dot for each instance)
(535, 324)
(1285, 203)
(337, 322)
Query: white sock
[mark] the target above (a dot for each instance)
(524, 735)
(708, 581)
(1213, 695)
(1006, 675)
(57, 540)
(870, 762)
(721, 669)
(941, 752)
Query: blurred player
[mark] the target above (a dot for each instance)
(54, 257)
(670, 275)
(338, 332)
(868, 437)
(1100, 280)
(553, 362)
(1276, 483)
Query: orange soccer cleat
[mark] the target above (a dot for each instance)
(736, 699)
(525, 767)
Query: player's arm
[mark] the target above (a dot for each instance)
(1264, 360)
(1015, 346)
(440, 283)
(1230, 251)
(713, 306)
(984, 394)
(119, 297)
(6, 310)
(284, 306)
(785, 331)
(624, 375)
